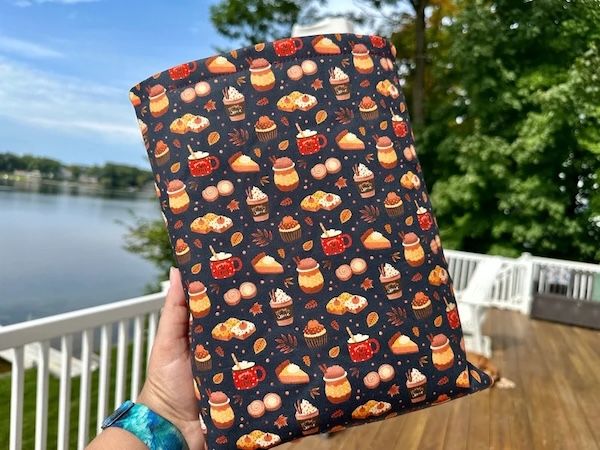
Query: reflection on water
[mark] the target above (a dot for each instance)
(61, 248)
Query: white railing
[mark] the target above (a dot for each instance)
(135, 321)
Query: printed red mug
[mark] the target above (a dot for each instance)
(308, 145)
(336, 244)
(424, 218)
(364, 349)
(223, 265)
(182, 71)
(248, 376)
(203, 165)
(287, 47)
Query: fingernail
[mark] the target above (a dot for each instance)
(171, 272)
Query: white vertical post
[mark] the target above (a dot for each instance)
(152, 324)
(16, 400)
(136, 359)
(87, 348)
(41, 401)
(104, 374)
(122, 341)
(527, 282)
(64, 400)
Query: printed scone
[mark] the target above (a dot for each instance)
(346, 302)
(307, 416)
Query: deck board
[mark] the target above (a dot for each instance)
(555, 405)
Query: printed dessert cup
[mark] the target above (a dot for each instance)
(389, 277)
(365, 180)
(340, 82)
(235, 104)
(416, 383)
(307, 416)
(282, 306)
(258, 202)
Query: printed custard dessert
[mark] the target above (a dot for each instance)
(318, 291)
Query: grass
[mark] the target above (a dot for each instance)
(29, 388)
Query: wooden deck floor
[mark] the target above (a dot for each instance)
(555, 405)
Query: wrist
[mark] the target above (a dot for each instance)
(152, 399)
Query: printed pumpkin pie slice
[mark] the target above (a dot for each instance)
(401, 344)
(289, 373)
(242, 163)
(374, 240)
(220, 64)
(349, 141)
(266, 264)
(462, 381)
(325, 46)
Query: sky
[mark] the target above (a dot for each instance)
(66, 67)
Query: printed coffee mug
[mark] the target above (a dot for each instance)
(225, 267)
(204, 165)
(363, 350)
(334, 245)
(307, 145)
(182, 71)
(249, 377)
(287, 47)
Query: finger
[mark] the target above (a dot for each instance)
(174, 320)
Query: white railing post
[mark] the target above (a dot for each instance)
(41, 401)
(16, 399)
(104, 374)
(87, 348)
(526, 293)
(64, 400)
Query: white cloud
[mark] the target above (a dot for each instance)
(27, 49)
(26, 3)
(65, 105)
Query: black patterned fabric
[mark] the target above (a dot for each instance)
(296, 207)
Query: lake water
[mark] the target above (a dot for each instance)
(60, 252)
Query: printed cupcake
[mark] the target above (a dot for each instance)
(310, 278)
(290, 229)
(179, 201)
(285, 176)
(442, 355)
(258, 202)
(234, 102)
(199, 303)
(361, 59)
(182, 252)
(282, 306)
(262, 77)
(340, 83)
(421, 305)
(315, 334)
(307, 416)
(416, 383)
(413, 251)
(393, 204)
(265, 128)
(364, 179)
(368, 108)
(389, 277)
(161, 153)
(202, 358)
(159, 102)
(386, 155)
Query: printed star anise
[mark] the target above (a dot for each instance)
(317, 84)
(256, 309)
(281, 422)
(210, 105)
(233, 205)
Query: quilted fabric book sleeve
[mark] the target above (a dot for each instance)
(298, 215)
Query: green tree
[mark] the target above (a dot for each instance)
(516, 136)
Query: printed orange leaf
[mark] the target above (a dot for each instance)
(389, 178)
(344, 115)
(396, 316)
(256, 309)
(233, 205)
(239, 136)
(158, 127)
(197, 243)
(393, 390)
(213, 137)
(438, 321)
(258, 152)
(210, 105)
(337, 413)
(307, 246)
(286, 343)
(416, 331)
(383, 125)
(308, 220)
(409, 220)
(221, 440)
(369, 213)
(345, 215)
(311, 304)
(236, 238)
(306, 360)
(262, 101)
(362, 130)
(284, 120)
(334, 351)
(196, 268)
(259, 345)
(372, 318)
(178, 224)
(320, 116)
(475, 375)
(286, 201)
(335, 325)
(219, 351)
(417, 277)
(341, 183)
(366, 284)
(365, 83)
(262, 237)
(218, 378)
(281, 252)
(388, 228)
(175, 167)
(283, 145)
(442, 381)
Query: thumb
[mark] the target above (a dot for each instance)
(174, 320)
